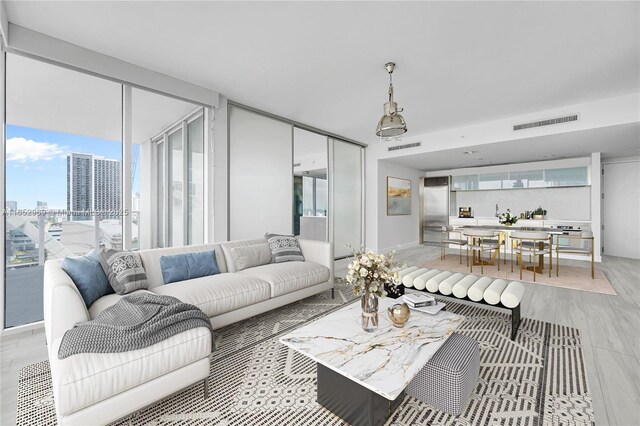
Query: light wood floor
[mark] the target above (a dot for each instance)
(609, 326)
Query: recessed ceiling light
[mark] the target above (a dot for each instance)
(473, 151)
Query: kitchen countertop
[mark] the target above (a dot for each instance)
(520, 220)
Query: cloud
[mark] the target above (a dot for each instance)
(23, 150)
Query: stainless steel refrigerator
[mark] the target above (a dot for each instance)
(435, 207)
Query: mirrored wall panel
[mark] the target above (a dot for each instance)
(310, 195)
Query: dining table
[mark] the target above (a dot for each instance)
(503, 232)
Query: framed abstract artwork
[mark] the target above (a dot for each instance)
(398, 196)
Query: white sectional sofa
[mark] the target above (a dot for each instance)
(101, 388)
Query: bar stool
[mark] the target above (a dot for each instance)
(445, 239)
(533, 244)
(480, 240)
(585, 236)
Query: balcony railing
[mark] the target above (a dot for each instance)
(30, 240)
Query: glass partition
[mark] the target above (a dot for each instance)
(347, 189)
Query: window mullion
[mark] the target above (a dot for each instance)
(185, 185)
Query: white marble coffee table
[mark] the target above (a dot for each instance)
(361, 376)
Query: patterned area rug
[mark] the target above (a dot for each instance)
(539, 379)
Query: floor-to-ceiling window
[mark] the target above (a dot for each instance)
(179, 173)
(67, 140)
(63, 175)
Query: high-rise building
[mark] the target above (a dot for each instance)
(93, 183)
(11, 205)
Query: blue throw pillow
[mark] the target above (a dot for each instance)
(186, 266)
(88, 276)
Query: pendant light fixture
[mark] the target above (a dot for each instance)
(391, 124)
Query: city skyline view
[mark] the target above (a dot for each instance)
(40, 156)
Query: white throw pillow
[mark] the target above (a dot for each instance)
(250, 256)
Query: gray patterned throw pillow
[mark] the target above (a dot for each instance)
(124, 270)
(284, 248)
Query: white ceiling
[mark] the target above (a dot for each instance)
(47, 97)
(612, 142)
(321, 63)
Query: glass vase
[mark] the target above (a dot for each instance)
(369, 316)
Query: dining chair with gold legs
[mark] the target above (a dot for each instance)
(585, 248)
(535, 244)
(480, 240)
(446, 239)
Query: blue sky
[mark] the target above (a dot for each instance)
(36, 166)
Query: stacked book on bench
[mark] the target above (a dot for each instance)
(423, 302)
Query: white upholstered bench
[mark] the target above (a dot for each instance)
(483, 290)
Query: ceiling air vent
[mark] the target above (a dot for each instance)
(405, 146)
(548, 122)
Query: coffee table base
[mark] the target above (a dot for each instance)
(352, 402)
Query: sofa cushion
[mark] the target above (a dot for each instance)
(288, 277)
(88, 276)
(151, 260)
(185, 266)
(85, 379)
(249, 256)
(218, 294)
(123, 269)
(284, 248)
(226, 249)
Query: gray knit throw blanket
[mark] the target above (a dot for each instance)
(134, 322)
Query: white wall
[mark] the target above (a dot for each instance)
(397, 231)
(560, 203)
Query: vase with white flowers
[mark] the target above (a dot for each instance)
(369, 273)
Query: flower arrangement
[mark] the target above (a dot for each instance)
(369, 272)
(506, 218)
